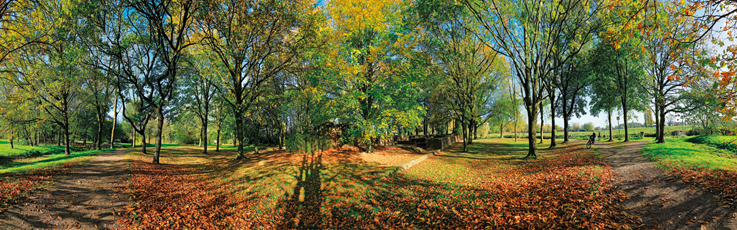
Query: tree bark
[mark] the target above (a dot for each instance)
(143, 142)
(542, 123)
(100, 122)
(133, 142)
(158, 132)
(115, 121)
(624, 112)
(464, 136)
(610, 126)
(532, 122)
(552, 119)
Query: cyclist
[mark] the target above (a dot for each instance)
(592, 138)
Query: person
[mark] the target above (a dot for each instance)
(592, 138)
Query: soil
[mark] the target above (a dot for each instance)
(662, 200)
(91, 197)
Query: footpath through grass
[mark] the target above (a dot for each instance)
(343, 188)
(20, 177)
(703, 165)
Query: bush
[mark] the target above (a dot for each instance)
(675, 132)
(693, 132)
(295, 142)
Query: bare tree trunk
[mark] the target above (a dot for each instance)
(610, 126)
(204, 133)
(542, 122)
(159, 127)
(115, 121)
(143, 142)
(100, 122)
(624, 112)
(133, 142)
(532, 120)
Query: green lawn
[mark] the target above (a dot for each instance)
(682, 152)
(718, 141)
(27, 151)
(27, 164)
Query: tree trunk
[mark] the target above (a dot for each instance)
(501, 129)
(100, 122)
(610, 126)
(217, 140)
(464, 136)
(143, 142)
(133, 142)
(66, 139)
(565, 128)
(542, 123)
(532, 120)
(469, 130)
(11, 139)
(255, 138)
(158, 133)
(657, 121)
(204, 132)
(239, 134)
(552, 119)
(624, 112)
(58, 136)
(115, 122)
(661, 138)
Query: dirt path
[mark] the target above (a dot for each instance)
(88, 198)
(663, 201)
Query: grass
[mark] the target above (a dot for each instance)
(682, 152)
(29, 164)
(343, 188)
(20, 151)
(705, 165)
(718, 141)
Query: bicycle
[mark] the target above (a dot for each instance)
(589, 143)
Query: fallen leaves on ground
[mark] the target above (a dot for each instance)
(569, 188)
(721, 181)
(18, 185)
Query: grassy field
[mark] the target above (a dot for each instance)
(46, 161)
(490, 186)
(27, 151)
(681, 152)
(705, 161)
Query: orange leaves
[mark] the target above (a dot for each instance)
(15, 186)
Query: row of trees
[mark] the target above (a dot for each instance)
(282, 72)
(295, 72)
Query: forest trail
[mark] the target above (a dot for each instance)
(662, 200)
(88, 198)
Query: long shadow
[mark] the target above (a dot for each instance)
(305, 214)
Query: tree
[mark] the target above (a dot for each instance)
(530, 33)
(648, 118)
(618, 70)
(98, 93)
(378, 73)
(589, 126)
(572, 84)
(470, 70)
(576, 127)
(49, 69)
(668, 62)
(255, 40)
(199, 91)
